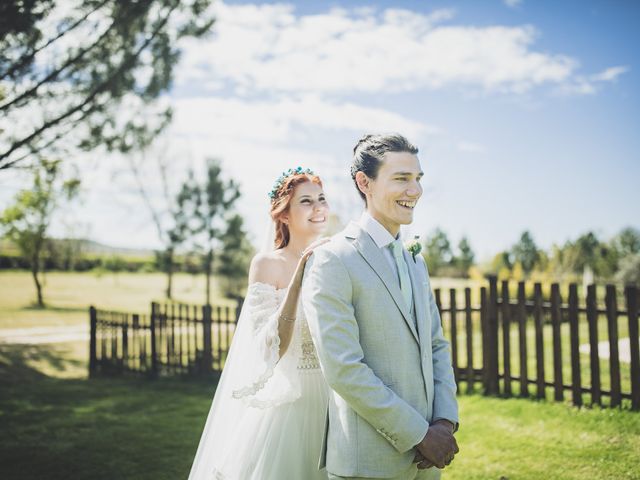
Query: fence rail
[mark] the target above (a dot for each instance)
(509, 345)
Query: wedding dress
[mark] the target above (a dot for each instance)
(267, 418)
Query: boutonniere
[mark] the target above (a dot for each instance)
(414, 247)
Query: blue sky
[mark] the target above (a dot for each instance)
(525, 113)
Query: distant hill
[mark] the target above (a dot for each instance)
(90, 247)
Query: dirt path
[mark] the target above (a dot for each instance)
(624, 349)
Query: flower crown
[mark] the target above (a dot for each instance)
(286, 174)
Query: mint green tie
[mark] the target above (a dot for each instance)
(403, 271)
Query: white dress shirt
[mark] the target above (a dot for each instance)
(381, 237)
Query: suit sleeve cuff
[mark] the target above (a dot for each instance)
(455, 423)
(416, 441)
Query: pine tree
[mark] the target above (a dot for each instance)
(211, 203)
(466, 257)
(234, 257)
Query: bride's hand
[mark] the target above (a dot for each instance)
(309, 250)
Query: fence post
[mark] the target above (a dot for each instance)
(154, 352)
(592, 318)
(576, 381)
(539, 334)
(614, 354)
(556, 319)
(454, 334)
(522, 339)
(469, 339)
(506, 337)
(631, 292)
(483, 338)
(124, 361)
(93, 358)
(207, 354)
(493, 387)
(219, 325)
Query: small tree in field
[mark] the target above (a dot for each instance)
(170, 218)
(629, 272)
(466, 257)
(438, 252)
(177, 234)
(168, 212)
(235, 257)
(27, 220)
(211, 203)
(526, 252)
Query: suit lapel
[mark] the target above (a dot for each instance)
(375, 258)
(419, 300)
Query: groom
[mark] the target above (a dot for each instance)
(373, 318)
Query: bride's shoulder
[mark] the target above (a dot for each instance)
(266, 261)
(267, 268)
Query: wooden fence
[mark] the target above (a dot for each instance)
(175, 338)
(502, 343)
(509, 345)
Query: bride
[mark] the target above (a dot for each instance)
(267, 419)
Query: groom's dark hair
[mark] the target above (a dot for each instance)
(369, 152)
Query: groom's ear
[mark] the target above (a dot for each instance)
(363, 182)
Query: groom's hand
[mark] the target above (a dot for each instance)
(421, 461)
(438, 446)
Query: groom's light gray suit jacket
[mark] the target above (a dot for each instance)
(389, 378)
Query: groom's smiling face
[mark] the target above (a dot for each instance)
(393, 195)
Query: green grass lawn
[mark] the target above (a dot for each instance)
(62, 428)
(57, 424)
(69, 294)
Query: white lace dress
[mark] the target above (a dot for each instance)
(278, 437)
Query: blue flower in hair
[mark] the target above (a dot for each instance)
(286, 174)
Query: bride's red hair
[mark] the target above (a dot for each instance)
(282, 200)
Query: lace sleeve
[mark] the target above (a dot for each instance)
(262, 303)
(274, 379)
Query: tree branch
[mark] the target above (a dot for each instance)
(25, 59)
(125, 63)
(34, 150)
(53, 75)
(145, 196)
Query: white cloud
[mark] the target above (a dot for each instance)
(270, 49)
(589, 85)
(275, 121)
(610, 74)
